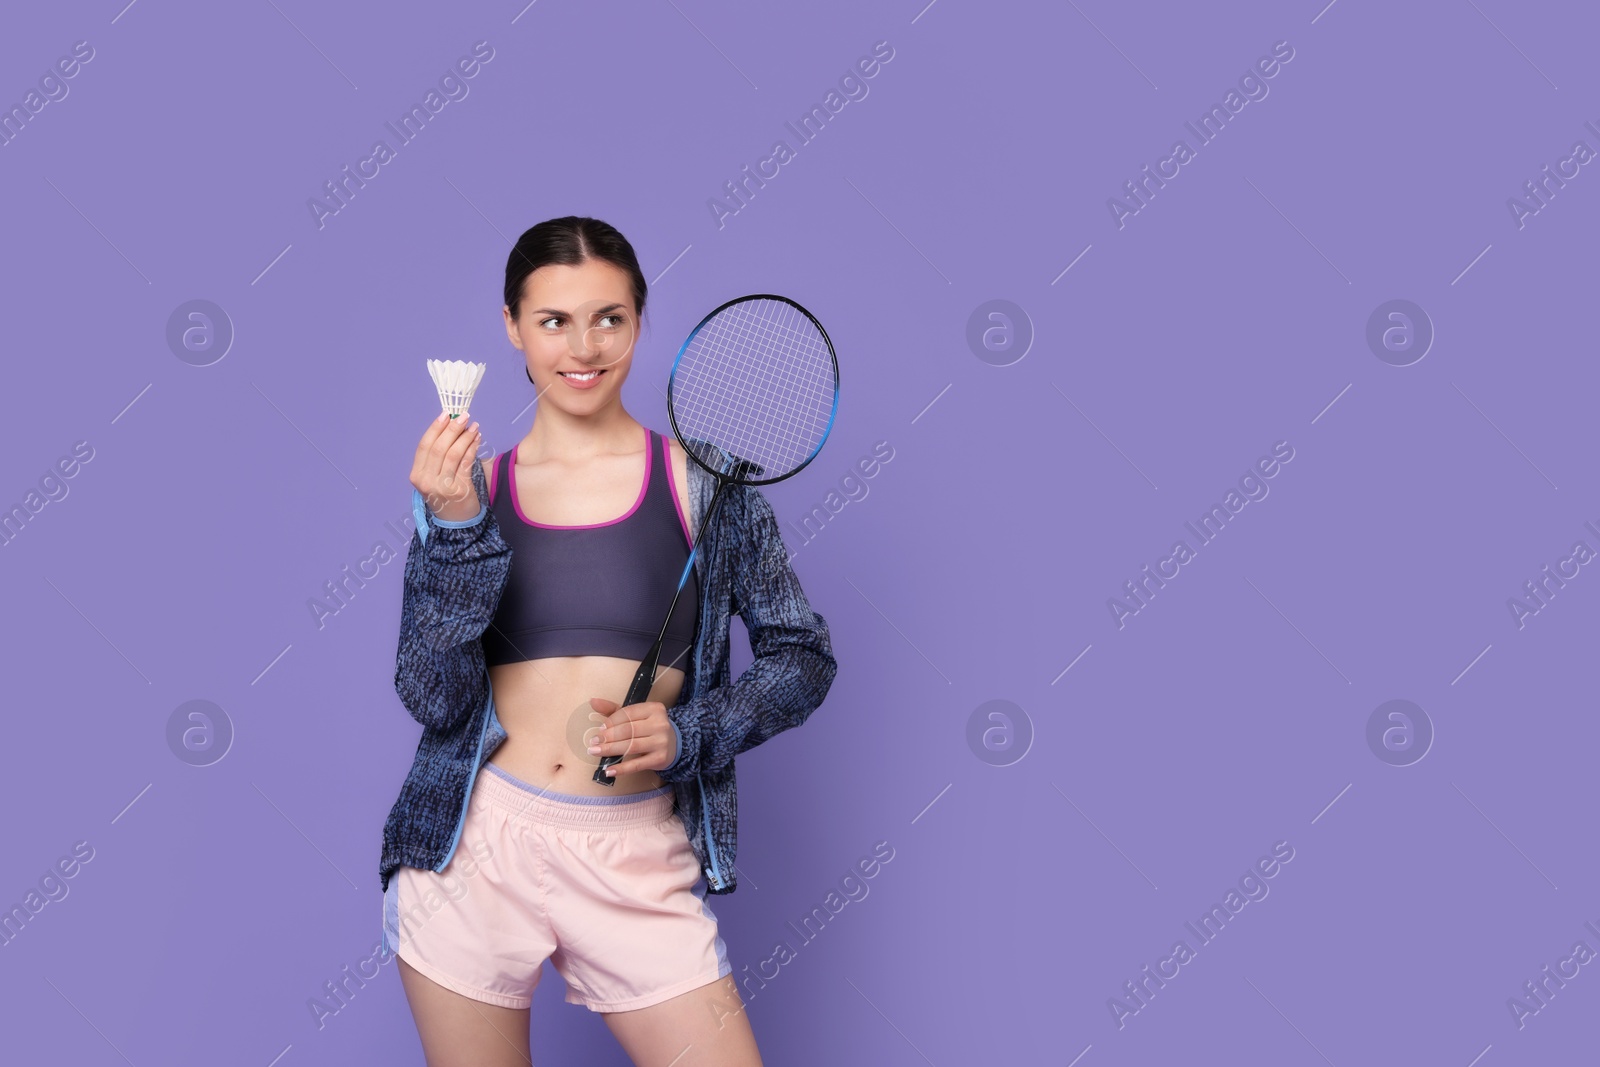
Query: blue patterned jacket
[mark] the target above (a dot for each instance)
(455, 573)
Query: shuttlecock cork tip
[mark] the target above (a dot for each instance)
(456, 380)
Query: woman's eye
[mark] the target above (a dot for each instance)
(618, 319)
(553, 318)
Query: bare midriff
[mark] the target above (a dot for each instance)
(544, 706)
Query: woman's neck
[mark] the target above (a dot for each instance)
(556, 434)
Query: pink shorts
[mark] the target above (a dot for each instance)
(607, 888)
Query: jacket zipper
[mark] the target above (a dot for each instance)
(714, 875)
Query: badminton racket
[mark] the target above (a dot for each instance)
(751, 397)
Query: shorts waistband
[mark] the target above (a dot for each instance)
(512, 794)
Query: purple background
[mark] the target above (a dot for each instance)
(1228, 314)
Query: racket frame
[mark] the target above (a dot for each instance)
(673, 374)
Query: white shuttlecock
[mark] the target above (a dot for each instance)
(456, 380)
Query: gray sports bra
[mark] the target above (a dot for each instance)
(595, 590)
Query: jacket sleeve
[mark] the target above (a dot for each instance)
(794, 664)
(455, 573)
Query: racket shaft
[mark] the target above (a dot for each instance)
(645, 677)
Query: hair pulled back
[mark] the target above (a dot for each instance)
(570, 241)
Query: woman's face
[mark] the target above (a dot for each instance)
(576, 328)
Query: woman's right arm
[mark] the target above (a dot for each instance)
(455, 574)
(456, 569)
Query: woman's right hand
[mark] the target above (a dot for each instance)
(442, 468)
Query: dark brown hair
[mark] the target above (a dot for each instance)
(569, 241)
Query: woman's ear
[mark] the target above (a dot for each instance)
(511, 327)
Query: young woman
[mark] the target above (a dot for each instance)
(531, 595)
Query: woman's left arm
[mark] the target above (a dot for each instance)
(794, 665)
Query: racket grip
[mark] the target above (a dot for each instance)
(638, 693)
(645, 677)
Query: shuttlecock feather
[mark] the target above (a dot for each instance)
(456, 380)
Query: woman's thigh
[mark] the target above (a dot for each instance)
(458, 1031)
(705, 1027)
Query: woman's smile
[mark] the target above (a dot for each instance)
(581, 379)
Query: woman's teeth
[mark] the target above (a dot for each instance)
(587, 376)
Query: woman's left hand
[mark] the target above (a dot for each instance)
(640, 732)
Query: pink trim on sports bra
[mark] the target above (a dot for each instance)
(672, 487)
(517, 506)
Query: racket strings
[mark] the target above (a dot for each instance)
(757, 380)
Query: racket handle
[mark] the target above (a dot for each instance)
(638, 692)
(643, 680)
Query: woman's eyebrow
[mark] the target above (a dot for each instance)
(558, 311)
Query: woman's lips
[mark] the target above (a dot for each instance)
(579, 383)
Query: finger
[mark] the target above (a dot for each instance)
(623, 747)
(469, 455)
(635, 721)
(454, 478)
(618, 733)
(466, 442)
(627, 766)
(462, 439)
(640, 712)
(425, 445)
(449, 432)
(600, 711)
